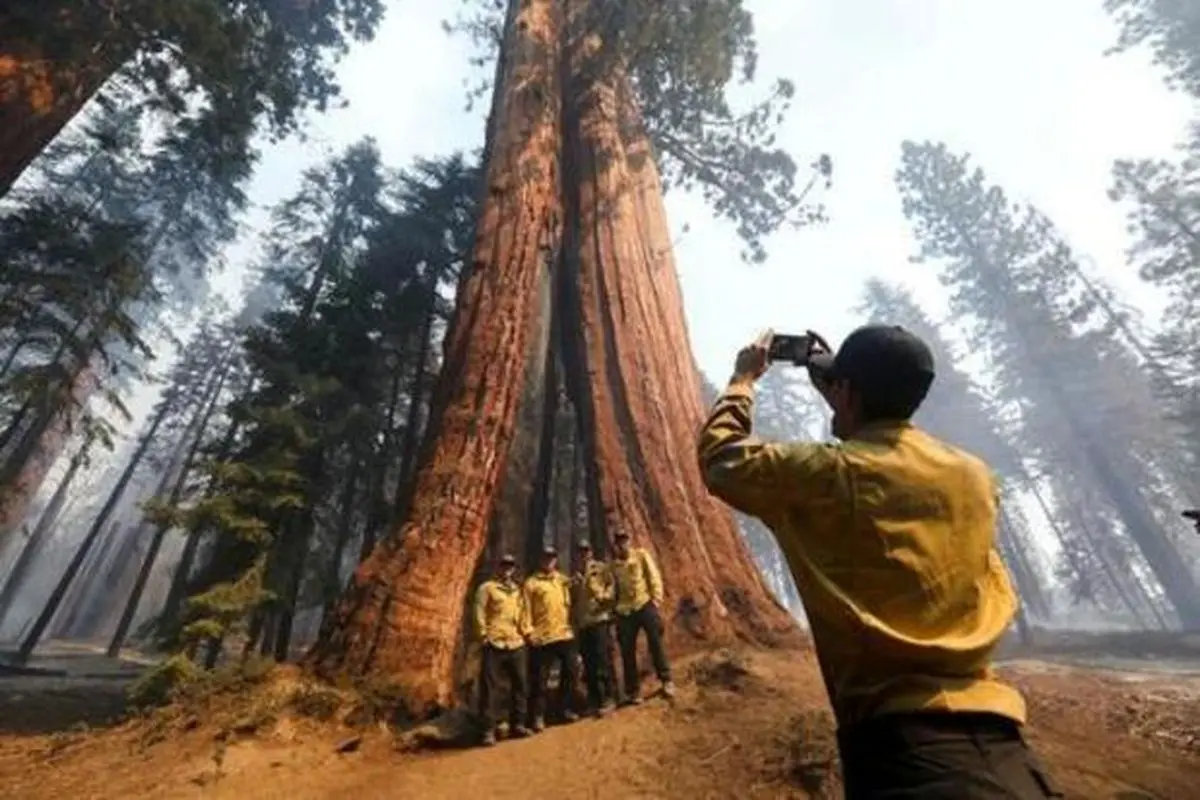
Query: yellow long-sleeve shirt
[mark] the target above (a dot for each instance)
(548, 600)
(595, 594)
(890, 537)
(501, 619)
(638, 581)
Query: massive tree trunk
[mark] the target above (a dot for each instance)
(401, 616)
(641, 393)
(41, 91)
(603, 309)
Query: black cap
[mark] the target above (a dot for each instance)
(508, 558)
(875, 354)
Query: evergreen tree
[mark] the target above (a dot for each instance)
(1170, 28)
(1163, 202)
(241, 61)
(1085, 414)
(339, 383)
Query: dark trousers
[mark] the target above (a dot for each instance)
(629, 626)
(940, 756)
(498, 668)
(541, 659)
(595, 645)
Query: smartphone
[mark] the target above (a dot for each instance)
(790, 347)
(1192, 514)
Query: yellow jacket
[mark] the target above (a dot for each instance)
(501, 619)
(595, 594)
(638, 581)
(548, 600)
(891, 539)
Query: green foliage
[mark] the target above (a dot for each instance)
(160, 684)
(241, 59)
(681, 58)
(1163, 203)
(360, 263)
(1058, 346)
(1171, 29)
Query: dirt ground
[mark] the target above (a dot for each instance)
(745, 725)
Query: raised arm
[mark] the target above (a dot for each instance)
(747, 473)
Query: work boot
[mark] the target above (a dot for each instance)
(519, 732)
(489, 738)
(570, 716)
(605, 708)
(502, 730)
(668, 689)
(636, 700)
(539, 725)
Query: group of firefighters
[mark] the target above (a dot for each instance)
(526, 628)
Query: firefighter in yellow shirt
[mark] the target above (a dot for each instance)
(595, 596)
(502, 624)
(639, 597)
(552, 642)
(890, 535)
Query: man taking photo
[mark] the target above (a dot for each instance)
(889, 534)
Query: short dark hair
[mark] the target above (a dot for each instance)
(889, 367)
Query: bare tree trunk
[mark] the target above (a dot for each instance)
(43, 621)
(26, 466)
(402, 614)
(36, 545)
(636, 385)
(196, 430)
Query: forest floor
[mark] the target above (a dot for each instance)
(744, 725)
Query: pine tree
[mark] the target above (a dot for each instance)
(339, 379)
(1084, 409)
(1170, 28)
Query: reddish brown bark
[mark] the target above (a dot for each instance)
(611, 321)
(37, 98)
(643, 387)
(401, 617)
(39, 449)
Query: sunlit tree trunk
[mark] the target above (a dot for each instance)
(402, 614)
(637, 385)
(602, 307)
(41, 91)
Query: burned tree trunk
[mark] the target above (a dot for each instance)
(402, 613)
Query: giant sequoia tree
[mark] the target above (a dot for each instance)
(1086, 419)
(571, 283)
(239, 60)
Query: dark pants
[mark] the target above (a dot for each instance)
(940, 756)
(595, 645)
(629, 626)
(501, 666)
(541, 659)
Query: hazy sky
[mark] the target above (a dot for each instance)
(1024, 85)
